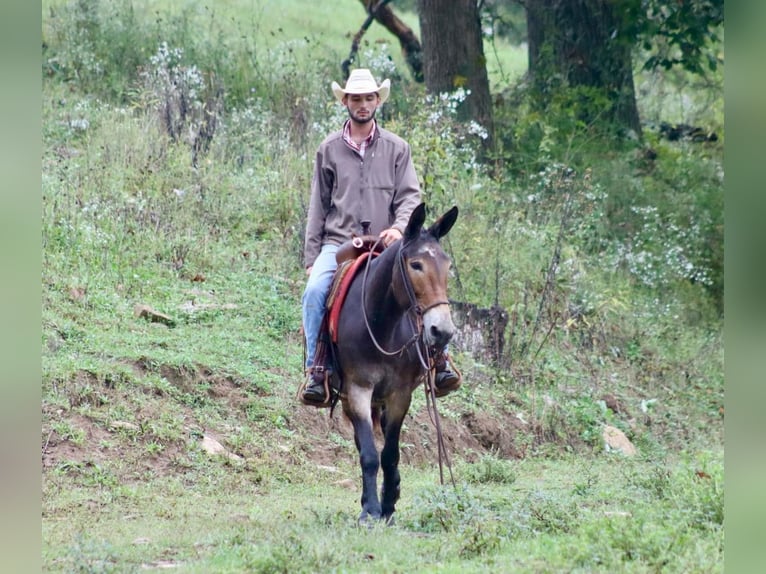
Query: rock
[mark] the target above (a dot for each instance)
(124, 425)
(212, 446)
(615, 439)
(146, 312)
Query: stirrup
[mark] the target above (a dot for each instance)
(449, 366)
(316, 376)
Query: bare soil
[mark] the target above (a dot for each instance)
(110, 420)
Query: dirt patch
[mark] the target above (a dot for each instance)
(494, 434)
(470, 436)
(137, 426)
(75, 442)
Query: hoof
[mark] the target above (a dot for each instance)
(368, 520)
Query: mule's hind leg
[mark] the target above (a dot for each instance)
(357, 407)
(395, 410)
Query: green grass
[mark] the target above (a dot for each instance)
(575, 514)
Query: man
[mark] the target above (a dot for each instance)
(361, 173)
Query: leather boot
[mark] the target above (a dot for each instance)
(446, 380)
(314, 391)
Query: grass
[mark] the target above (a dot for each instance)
(575, 514)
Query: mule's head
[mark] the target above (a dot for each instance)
(426, 267)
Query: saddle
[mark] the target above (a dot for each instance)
(350, 257)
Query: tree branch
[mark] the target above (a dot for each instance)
(346, 64)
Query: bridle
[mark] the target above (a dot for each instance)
(415, 312)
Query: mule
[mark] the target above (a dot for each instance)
(396, 315)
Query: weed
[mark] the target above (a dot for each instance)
(461, 513)
(93, 556)
(656, 480)
(66, 431)
(488, 469)
(697, 490)
(168, 427)
(154, 448)
(588, 483)
(541, 512)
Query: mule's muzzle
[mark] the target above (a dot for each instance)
(437, 337)
(438, 327)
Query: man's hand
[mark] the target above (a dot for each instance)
(390, 235)
(308, 270)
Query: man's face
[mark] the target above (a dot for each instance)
(361, 107)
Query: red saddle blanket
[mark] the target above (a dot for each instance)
(342, 281)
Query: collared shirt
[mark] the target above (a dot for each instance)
(358, 148)
(381, 187)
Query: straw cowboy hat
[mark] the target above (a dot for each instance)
(361, 82)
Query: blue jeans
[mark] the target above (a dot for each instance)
(315, 297)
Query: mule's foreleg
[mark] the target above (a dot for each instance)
(389, 461)
(395, 410)
(357, 408)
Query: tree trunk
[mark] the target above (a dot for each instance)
(408, 41)
(582, 43)
(453, 55)
(479, 331)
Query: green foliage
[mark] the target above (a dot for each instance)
(678, 34)
(488, 469)
(540, 512)
(97, 46)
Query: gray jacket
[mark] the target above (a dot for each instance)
(346, 189)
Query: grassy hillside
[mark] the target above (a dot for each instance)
(178, 142)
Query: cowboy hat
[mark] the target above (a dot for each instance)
(361, 82)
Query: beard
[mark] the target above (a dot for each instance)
(362, 120)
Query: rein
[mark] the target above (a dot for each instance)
(417, 330)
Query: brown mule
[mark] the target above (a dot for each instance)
(395, 318)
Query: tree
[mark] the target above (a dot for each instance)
(382, 13)
(453, 55)
(591, 44)
(582, 49)
(582, 44)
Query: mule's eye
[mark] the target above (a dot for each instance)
(416, 265)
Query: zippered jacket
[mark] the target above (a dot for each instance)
(346, 189)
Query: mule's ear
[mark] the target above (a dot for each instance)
(415, 224)
(444, 223)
